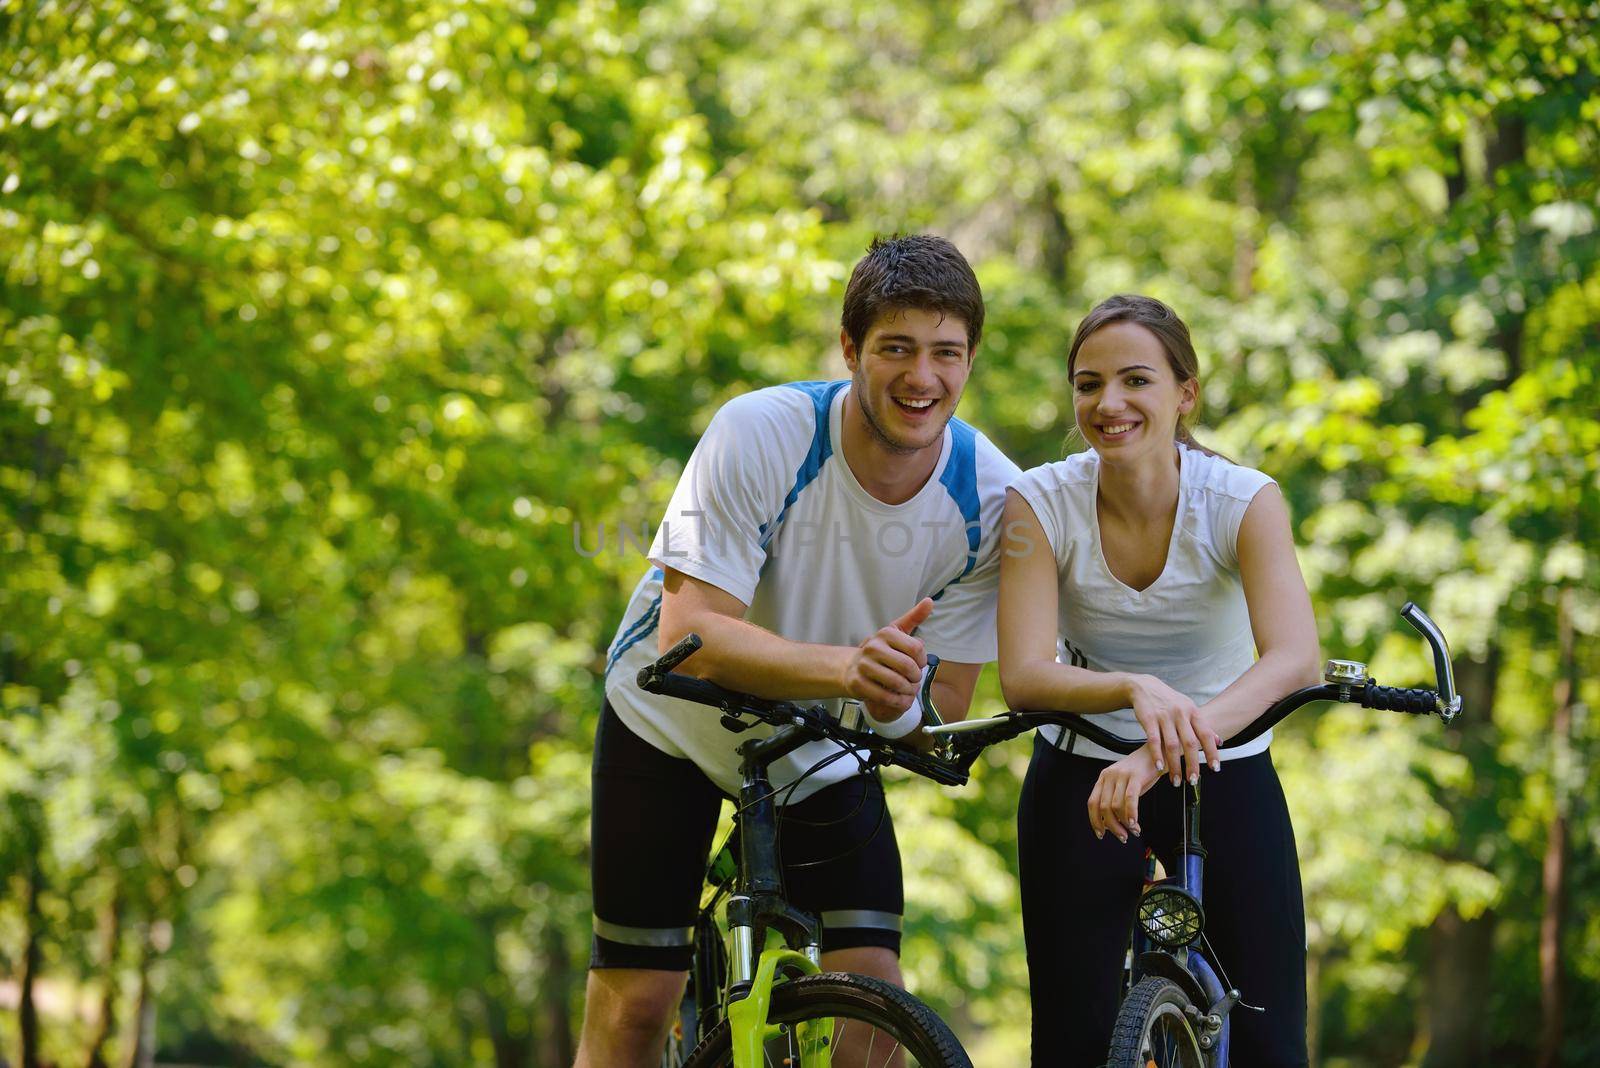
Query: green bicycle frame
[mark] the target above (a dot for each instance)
(747, 1017)
(757, 907)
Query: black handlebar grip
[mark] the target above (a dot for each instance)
(686, 647)
(1418, 702)
(650, 675)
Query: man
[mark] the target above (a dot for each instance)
(824, 537)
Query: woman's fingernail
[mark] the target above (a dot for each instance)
(1216, 765)
(1194, 777)
(1123, 839)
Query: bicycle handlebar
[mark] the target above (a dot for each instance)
(811, 720)
(1449, 705)
(974, 735)
(958, 744)
(1347, 682)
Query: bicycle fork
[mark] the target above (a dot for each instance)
(748, 1015)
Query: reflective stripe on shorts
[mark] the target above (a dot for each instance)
(645, 936)
(883, 921)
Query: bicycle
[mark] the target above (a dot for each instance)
(753, 1005)
(1175, 1009)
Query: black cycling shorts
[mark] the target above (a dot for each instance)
(650, 832)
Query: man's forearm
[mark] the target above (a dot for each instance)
(744, 657)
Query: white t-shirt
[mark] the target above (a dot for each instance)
(1190, 628)
(769, 511)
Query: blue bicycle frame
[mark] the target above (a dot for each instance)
(1198, 975)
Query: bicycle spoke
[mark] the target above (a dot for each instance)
(869, 1058)
(888, 1059)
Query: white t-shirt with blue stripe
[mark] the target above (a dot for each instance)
(1190, 628)
(768, 510)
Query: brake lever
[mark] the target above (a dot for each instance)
(930, 713)
(1449, 702)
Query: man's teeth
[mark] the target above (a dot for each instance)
(1116, 428)
(922, 402)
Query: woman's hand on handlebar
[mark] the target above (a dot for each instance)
(1114, 801)
(1174, 727)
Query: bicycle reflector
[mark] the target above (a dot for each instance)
(1170, 915)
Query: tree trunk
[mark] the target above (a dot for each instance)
(1551, 990)
(1461, 949)
(554, 1024)
(1507, 144)
(140, 1051)
(512, 1045)
(1057, 244)
(27, 1009)
(1455, 183)
(1459, 957)
(1244, 237)
(1554, 918)
(511, 1051)
(105, 1024)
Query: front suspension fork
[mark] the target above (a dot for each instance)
(748, 1025)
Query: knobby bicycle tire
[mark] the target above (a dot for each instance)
(1153, 1030)
(851, 999)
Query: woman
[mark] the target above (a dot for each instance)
(1163, 569)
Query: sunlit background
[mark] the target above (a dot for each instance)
(333, 334)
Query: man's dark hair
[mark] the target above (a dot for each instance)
(916, 271)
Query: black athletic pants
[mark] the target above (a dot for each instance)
(651, 829)
(1079, 894)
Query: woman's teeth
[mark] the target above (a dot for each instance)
(1117, 428)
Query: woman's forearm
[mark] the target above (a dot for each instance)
(1049, 685)
(1278, 672)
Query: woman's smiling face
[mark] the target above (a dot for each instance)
(1125, 395)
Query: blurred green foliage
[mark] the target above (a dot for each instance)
(332, 333)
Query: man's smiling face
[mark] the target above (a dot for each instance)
(908, 376)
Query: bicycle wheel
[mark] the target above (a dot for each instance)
(1153, 1029)
(876, 1025)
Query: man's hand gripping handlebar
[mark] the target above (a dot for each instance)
(741, 711)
